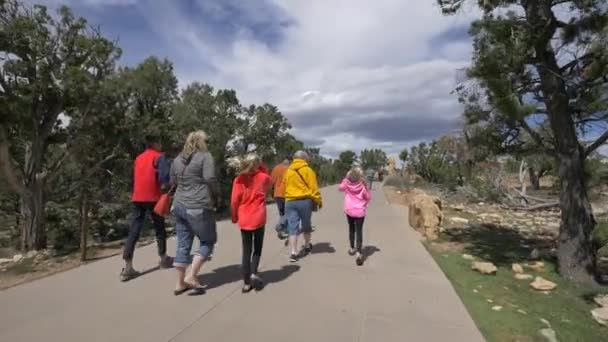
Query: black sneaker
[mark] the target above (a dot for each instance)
(293, 258)
(128, 273)
(308, 248)
(359, 259)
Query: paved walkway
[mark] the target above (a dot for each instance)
(398, 295)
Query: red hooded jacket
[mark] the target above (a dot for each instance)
(146, 187)
(248, 200)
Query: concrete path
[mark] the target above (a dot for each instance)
(398, 295)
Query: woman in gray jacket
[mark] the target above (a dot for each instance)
(194, 204)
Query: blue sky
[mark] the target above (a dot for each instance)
(349, 74)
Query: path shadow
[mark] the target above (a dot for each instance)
(277, 275)
(499, 245)
(220, 276)
(323, 248)
(368, 251)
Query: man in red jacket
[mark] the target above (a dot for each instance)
(146, 192)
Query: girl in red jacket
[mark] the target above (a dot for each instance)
(248, 206)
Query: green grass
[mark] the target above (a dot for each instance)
(567, 308)
(23, 267)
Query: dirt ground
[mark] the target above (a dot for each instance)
(41, 265)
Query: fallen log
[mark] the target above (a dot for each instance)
(537, 207)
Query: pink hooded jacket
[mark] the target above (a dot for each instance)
(356, 199)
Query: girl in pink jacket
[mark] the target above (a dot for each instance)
(356, 200)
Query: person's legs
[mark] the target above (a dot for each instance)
(204, 227)
(359, 233)
(258, 243)
(281, 226)
(351, 233)
(293, 227)
(359, 243)
(247, 239)
(183, 258)
(305, 210)
(137, 224)
(161, 238)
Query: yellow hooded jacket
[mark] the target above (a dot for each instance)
(301, 186)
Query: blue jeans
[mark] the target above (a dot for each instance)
(281, 227)
(137, 225)
(299, 211)
(188, 224)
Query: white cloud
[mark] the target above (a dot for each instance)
(349, 74)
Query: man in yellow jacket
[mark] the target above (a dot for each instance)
(302, 197)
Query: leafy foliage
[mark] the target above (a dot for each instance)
(72, 121)
(538, 84)
(374, 159)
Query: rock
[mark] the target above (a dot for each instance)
(468, 257)
(459, 207)
(484, 267)
(535, 254)
(521, 276)
(545, 322)
(522, 312)
(497, 308)
(425, 214)
(17, 258)
(459, 220)
(600, 315)
(4, 261)
(517, 268)
(31, 254)
(549, 334)
(490, 217)
(601, 300)
(541, 284)
(537, 266)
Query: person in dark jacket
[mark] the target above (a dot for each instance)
(146, 192)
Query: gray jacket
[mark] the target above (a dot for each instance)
(195, 184)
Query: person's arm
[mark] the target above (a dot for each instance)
(235, 200)
(173, 175)
(342, 186)
(163, 171)
(211, 179)
(367, 195)
(311, 179)
(269, 184)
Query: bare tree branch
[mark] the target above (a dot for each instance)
(596, 144)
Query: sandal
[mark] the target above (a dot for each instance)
(197, 291)
(181, 291)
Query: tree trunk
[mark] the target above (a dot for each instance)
(534, 178)
(574, 252)
(33, 229)
(84, 225)
(522, 181)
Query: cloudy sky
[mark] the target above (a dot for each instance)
(349, 74)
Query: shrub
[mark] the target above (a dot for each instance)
(600, 234)
(62, 225)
